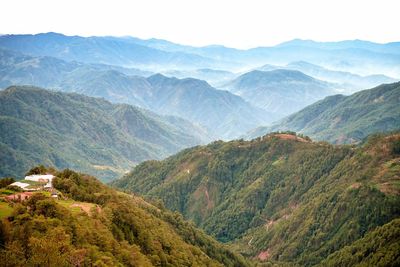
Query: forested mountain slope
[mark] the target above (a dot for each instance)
(90, 224)
(380, 247)
(89, 134)
(344, 119)
(279, 198)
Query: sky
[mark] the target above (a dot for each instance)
(234, 23)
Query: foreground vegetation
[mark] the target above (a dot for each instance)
(380, 247)
(111, 229)
(281, 198)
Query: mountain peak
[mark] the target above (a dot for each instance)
(296, 42)
(278, 74)
(157, 77)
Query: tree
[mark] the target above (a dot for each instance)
(6, 181)
(53, 249)
(37, 170)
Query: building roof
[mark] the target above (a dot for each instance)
(38, 177)
(19, 184)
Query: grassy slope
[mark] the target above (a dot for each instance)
(5, 210)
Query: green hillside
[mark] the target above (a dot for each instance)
(279, 198)
(344, 119)
(380, 247)
(93, 225)
(84, 133)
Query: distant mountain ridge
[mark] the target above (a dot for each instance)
(280, 91)
(89, 134)
(344, 80)
(362, 57)
(106, 50)
(344, 119)
(20, 69)
(392, 47)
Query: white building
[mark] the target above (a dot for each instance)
(48, 178)
(21, 185)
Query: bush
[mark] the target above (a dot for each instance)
(396, 147)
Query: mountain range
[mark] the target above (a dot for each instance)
(316, 51)
(355, 56)
(84, 133)
(223, 114)
(104, 50)
(282, 198)
(344, 119)
(220, 112)
(51, 65)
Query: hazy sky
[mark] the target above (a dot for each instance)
(234, 23)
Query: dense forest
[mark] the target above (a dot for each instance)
(380, 247)
(87, 134)
(281, 197)
(91, 224)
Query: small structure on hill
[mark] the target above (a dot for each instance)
(54, 194)
(20, 185)
(42, 178)
(35, 182)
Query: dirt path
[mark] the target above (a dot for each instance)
(210, 204)
(85, 207)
